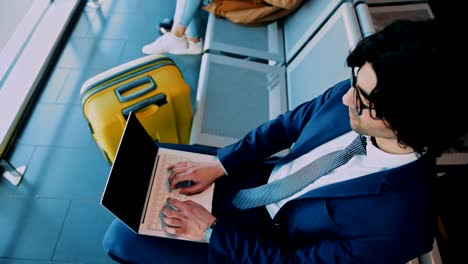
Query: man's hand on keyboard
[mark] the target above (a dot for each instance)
(187, 219)
(201, 174)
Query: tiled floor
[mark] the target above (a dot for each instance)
(54, 215)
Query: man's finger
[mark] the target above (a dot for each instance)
(171, 230)
(196, 188)
(171, 211)
(173, 222)
(178, 169)
(176, 203)
(178, 165)
(175, 174)
(179, 179)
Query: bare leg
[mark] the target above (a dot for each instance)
(178, 30)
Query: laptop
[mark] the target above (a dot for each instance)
(137, 185)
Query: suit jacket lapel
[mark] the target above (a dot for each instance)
(332, 115)
(371, 184)
(368, 184)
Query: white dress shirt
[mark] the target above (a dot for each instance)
(361, 165)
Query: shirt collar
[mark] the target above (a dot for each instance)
(379, 158)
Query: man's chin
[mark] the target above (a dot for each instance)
(355, 128)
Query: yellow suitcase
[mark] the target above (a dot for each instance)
(152, 87)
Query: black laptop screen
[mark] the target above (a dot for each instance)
(130, 175)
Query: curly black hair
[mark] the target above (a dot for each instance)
(417, 93)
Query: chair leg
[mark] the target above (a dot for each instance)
(10, 173)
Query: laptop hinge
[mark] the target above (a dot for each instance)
(148, 194)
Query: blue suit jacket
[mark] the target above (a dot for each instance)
(385, 217)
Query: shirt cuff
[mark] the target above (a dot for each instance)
(225, 172)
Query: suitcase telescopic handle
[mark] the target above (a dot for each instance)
(133, 84)
(159, 100)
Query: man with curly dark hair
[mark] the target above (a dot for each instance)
(402, 106)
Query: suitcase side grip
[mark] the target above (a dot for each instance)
(135, 83)
(159, 100)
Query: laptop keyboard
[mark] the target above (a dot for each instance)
(161, 190)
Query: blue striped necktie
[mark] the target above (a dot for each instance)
(278, 190)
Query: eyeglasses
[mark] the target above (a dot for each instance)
(358, 103)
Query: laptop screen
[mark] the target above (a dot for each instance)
(127, 185)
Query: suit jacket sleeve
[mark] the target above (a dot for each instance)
(275, 135)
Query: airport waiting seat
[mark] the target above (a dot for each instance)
(253, 74)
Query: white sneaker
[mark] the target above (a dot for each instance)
(167, 43)
(195, 48)
(163, 30)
